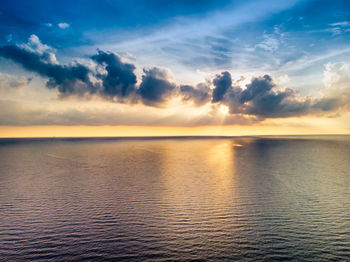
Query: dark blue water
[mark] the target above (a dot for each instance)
(251, 199)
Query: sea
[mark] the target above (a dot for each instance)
(272, 198)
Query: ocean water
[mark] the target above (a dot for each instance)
(248, 199)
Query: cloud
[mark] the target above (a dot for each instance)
(271, 42)
(222, 83)
(34, 45)
(336, 76)
(258, 86)
(116, 79)
(106, 76)
(12, 82)
(336, 79)
(337, 28)
(260, 99)
(67, 79)
(344, 23)
(263, 99)
(63, 25)
(155, 87)
(120, 79)
(199, 95)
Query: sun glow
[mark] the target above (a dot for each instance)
(274, 127)
(223, 109)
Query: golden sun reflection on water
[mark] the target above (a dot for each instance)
(191, 190)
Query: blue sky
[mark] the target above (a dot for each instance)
(194, 34)
(193, 41)
(189, 35)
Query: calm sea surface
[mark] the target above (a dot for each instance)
(251, 199)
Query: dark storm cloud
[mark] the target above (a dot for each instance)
(155, 87)
(258, 86)
(120, 79)
(109, 78)
(222, 83)
(277, 104)
(199, 95)
(66, 78)
(262, 99)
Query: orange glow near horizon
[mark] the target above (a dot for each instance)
(134, 131)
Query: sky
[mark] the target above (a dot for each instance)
(143, 68)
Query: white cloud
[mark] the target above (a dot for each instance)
(345, 23)
(272, 41)
(335, 28)
(336, 79)
(46, 52)
(337, 76)
(283, 80)
(63, 25)
(34, 45)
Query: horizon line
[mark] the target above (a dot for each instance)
(169, 137)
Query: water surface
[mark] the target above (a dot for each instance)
(280, 198)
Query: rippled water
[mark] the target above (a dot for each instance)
(280, 198)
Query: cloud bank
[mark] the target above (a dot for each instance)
(108, 77)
